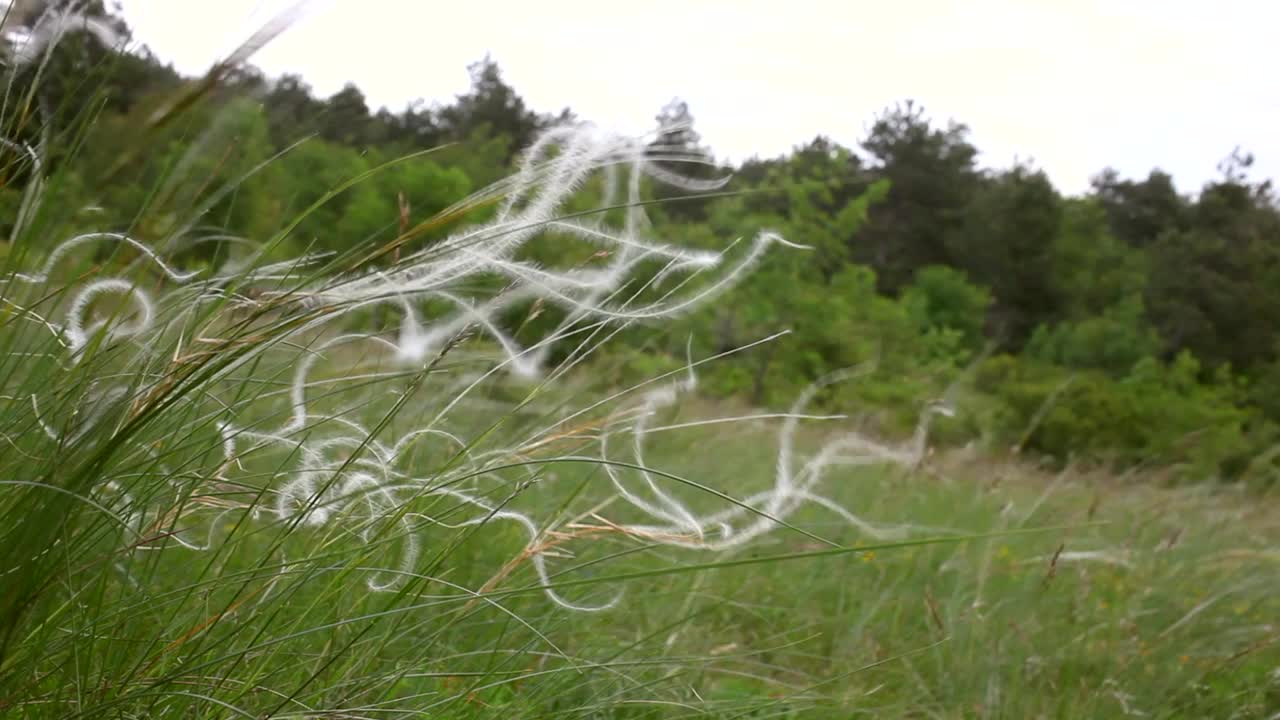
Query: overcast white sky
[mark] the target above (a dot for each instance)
(1073, 85)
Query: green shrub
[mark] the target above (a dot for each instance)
(1158, 414)
(947, 301)
(1112, 342)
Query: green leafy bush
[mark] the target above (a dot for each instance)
(1113, 341)
(949, 302)
(1157, 414)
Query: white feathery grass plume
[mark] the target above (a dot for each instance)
(34, 39)
(343, 475)
(63, 249)
(78, 332)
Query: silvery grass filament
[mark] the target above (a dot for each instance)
(342, 474)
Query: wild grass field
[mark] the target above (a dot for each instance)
(981, 590)
(412, 477)
(367, 568)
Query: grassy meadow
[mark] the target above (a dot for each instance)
(410, 471)
(965, 587)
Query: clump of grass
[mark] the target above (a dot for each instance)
(203, 464)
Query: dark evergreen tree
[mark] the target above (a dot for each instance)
(932, 178)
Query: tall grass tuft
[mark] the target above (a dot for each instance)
(284, 486)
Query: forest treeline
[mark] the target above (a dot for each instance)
(1131, 325)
